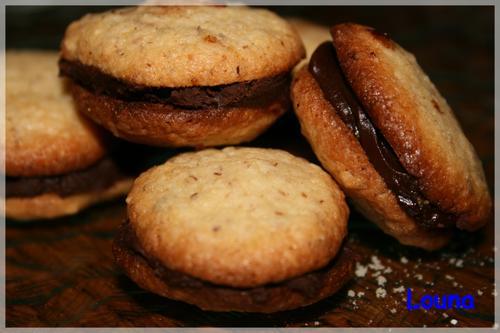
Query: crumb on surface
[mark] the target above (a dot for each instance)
(380, 293)
(360, 270)
(399, 289)
(381, 280)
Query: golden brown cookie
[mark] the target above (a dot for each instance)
(194, 65)
(237, 219)
(56, 161)
(381, 128)
(44, 134)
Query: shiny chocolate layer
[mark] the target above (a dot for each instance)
(248, 93)
(325, 68)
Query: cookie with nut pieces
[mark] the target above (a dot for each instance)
(182, 75)
(238, 229)
(56, 160)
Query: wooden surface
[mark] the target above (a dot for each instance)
(61, 273)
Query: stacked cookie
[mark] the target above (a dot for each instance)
(57, 162)
(182, 76)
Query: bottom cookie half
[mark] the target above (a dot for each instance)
(162, 124)
(289, 294)
(51, 205)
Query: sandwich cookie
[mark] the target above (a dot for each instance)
(182, 76)
(56, 161)
(380, 127)
(238, 229)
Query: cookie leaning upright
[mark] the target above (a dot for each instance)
(182, 76)
(382, 129)
(56, 160)
(242, 229)
(416, 120)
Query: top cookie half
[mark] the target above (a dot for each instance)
(44, 134)
(169, 46)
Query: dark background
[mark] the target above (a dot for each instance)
(61, 273)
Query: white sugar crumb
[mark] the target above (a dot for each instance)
(419, 276)
(455, 284)
(452, 261)
(403, 260)
(380, 293)
(376, 265)
(454, 321)
(393, 310)
(459, 263)
(360, 270)
(445, 315)
(449, 277)
(351, 293)
(316, 323)
(381, 280)
(400, 289)
(377, 273)
(479, 292)
(361, 294)
(388, 270)
(494, 292)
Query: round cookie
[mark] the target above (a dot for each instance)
(44, 135)
(415, 131)
(183, 46)
(239, 219)
(182, 76)
(56, 160)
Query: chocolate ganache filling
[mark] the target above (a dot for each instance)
(99, 176)
(259, 92)
(325, 68)
(336, 273)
